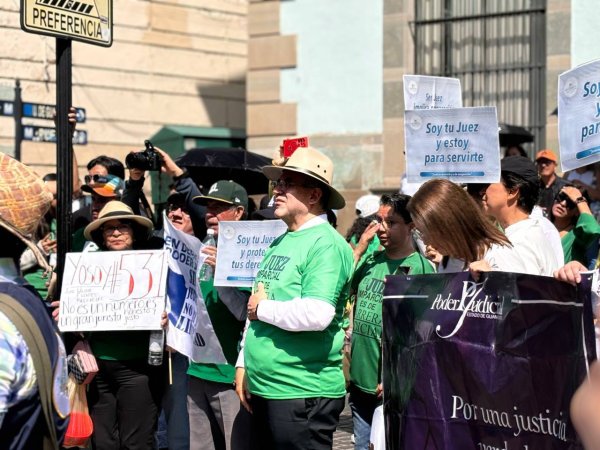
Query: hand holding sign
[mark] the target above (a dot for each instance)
(254, 300)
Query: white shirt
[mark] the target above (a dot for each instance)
(551, 233)
(530, 252)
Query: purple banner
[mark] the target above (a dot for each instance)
(483, 365)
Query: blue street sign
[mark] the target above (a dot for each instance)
(7, 108)
(37, 111)
(48, 134)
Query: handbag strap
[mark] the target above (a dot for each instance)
(27, 326)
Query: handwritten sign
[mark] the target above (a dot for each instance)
(579, 116)
(113, 291)
(241, 248)
(460, 144)
(425, 92)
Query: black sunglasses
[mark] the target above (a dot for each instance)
(562, 197)
(101, 179)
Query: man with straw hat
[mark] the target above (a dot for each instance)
(293, 379)
(34, 402)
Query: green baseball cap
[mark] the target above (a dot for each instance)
(225, 191)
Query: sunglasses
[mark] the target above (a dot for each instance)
(121, 228)
(562, 197)
(97, 179)
(174, 207)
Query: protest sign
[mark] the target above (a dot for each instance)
(458, 144)
(241, 248)
(113, 291)
(579, 116)
(491, 364)
(425, 92)
(190, 330)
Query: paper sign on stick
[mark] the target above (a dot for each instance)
(425, 92)
(241, 248)
(458, 144)
(579, 116)
(113, 291)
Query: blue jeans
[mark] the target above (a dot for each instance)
(362, 406)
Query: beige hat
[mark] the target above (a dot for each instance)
(115, 210)
(24, 199)
(311, 162)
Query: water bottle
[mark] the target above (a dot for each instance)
(207, 271)
(155, 348)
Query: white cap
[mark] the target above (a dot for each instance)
(367, 205)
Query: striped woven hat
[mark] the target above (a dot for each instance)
(24, 199)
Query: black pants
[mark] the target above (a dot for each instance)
(303, 423)
(124, 400)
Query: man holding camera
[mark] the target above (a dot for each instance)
(290, 370)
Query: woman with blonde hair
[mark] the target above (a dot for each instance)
(450, 221)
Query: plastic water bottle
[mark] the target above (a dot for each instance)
(155, 348)
(207, 271)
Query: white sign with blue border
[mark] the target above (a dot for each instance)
(579, 116)
(241, 248)
(459, 144)
(425, 92)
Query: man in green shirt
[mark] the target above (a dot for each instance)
(293, 346)
(217, 420)
(398, 257)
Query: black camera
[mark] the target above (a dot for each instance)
(149, 159)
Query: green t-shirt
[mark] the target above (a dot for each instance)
(368, 283)
(316, 263)
(577, 240)
(371, 248)
(229, 332)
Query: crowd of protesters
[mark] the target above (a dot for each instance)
(309, 332)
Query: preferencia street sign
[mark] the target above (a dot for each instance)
(82, 20)
(48, 134)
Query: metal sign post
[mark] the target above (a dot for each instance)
(18, 113)
(64, 154)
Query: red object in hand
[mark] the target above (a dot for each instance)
(291, 145)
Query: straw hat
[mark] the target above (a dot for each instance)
(311, 162)
(114, 210)
(24, 199)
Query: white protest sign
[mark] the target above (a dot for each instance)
(458, 144)
(113, 291)
(579, 116)
(190, 330)
(241, 248)
(425, 92)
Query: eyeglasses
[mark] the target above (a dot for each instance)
(562, 197)
(544, 162)
(284, 185)
(122, 228)
(97, 179)
(174, 207)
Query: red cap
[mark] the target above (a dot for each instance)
(546, 154)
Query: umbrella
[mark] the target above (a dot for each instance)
(513, 135)
(209, 165)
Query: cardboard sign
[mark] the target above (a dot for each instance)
(241, 248)
(458, 144)
(579, 116)
(113, 291)
(425, 92)
(487, 364)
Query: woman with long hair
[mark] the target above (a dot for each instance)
(449, 220)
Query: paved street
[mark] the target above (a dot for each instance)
(341, 438)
